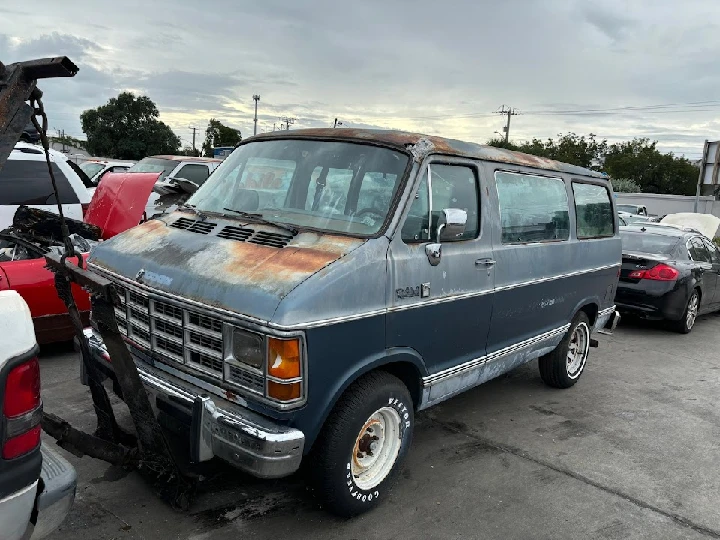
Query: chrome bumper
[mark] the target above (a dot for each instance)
(58, 493)
(218, 427)
(607, 320)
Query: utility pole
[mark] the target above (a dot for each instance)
(287, 121)
(256, 97)
(510, 112)
(337, 123)
(194, 129)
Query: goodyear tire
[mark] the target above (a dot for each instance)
(563, 366)
(362, 445)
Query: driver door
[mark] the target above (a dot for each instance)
(442, 311)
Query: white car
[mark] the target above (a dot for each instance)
(24, 180)
(194, 169)
(95, 169)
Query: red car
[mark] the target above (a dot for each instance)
(117, 205)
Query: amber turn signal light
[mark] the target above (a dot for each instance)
(283, 392)
(284, 358)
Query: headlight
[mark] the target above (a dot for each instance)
(248, 348)
(268, 366)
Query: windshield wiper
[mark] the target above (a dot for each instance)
(193, 209)
(258, 218)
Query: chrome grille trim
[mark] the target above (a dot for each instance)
(173, 333)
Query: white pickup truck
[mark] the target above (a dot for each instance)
(37, 485)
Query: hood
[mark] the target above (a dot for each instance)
(119, 201)
(184, 256)
(706, 224)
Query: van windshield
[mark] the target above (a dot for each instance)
(332, 186)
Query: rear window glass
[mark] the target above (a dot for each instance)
(593, 210)
(163, 166)
(28, 182)
(91, 168)
(649, 243)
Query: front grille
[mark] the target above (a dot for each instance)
(174, 334)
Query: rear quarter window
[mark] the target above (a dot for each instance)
(28, 182)
(532, 208)
(593, 211)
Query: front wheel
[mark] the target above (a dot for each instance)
(562, 367)
(362, 444)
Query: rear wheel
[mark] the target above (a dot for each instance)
(687, 321)
(362, 444)
(562, 367)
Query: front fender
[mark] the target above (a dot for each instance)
(396, 359)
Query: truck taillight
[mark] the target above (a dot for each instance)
(22, 444)
(22, 409)
(22, 389)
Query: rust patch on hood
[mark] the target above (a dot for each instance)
(242, 276)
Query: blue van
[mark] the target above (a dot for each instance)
(322, 286)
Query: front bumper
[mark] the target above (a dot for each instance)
(218, 427)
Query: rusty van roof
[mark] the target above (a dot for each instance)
(420, 145)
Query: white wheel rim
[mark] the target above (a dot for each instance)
(376, 448)
(692, 311)
(578, 350)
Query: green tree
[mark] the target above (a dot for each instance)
(654, 171)
(569, 148)
(127, 127)
(625, 185)
(217, 134)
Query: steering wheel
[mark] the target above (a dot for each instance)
(373, 211)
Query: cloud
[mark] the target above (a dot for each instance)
(406, 65)
(612, 25)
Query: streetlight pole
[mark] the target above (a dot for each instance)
(256, 97)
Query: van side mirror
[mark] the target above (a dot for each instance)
(453, 226)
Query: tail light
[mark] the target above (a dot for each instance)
(661, 272)
(22, 409)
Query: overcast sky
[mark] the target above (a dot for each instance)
(436, 67)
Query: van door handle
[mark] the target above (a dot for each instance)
(485, 262)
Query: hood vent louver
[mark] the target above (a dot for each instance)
(270, 239)
(194, 226)
(241, 234)
(262, 238)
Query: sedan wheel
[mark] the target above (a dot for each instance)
(686, 323)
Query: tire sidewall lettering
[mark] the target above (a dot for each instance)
(373, 494)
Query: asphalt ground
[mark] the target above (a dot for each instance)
(631, 451)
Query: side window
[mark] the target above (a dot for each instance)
(194, 172)
(698, 251)
(532, 208)
(453, 186)
(28, 182)
(713, 250)
(593, 211)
